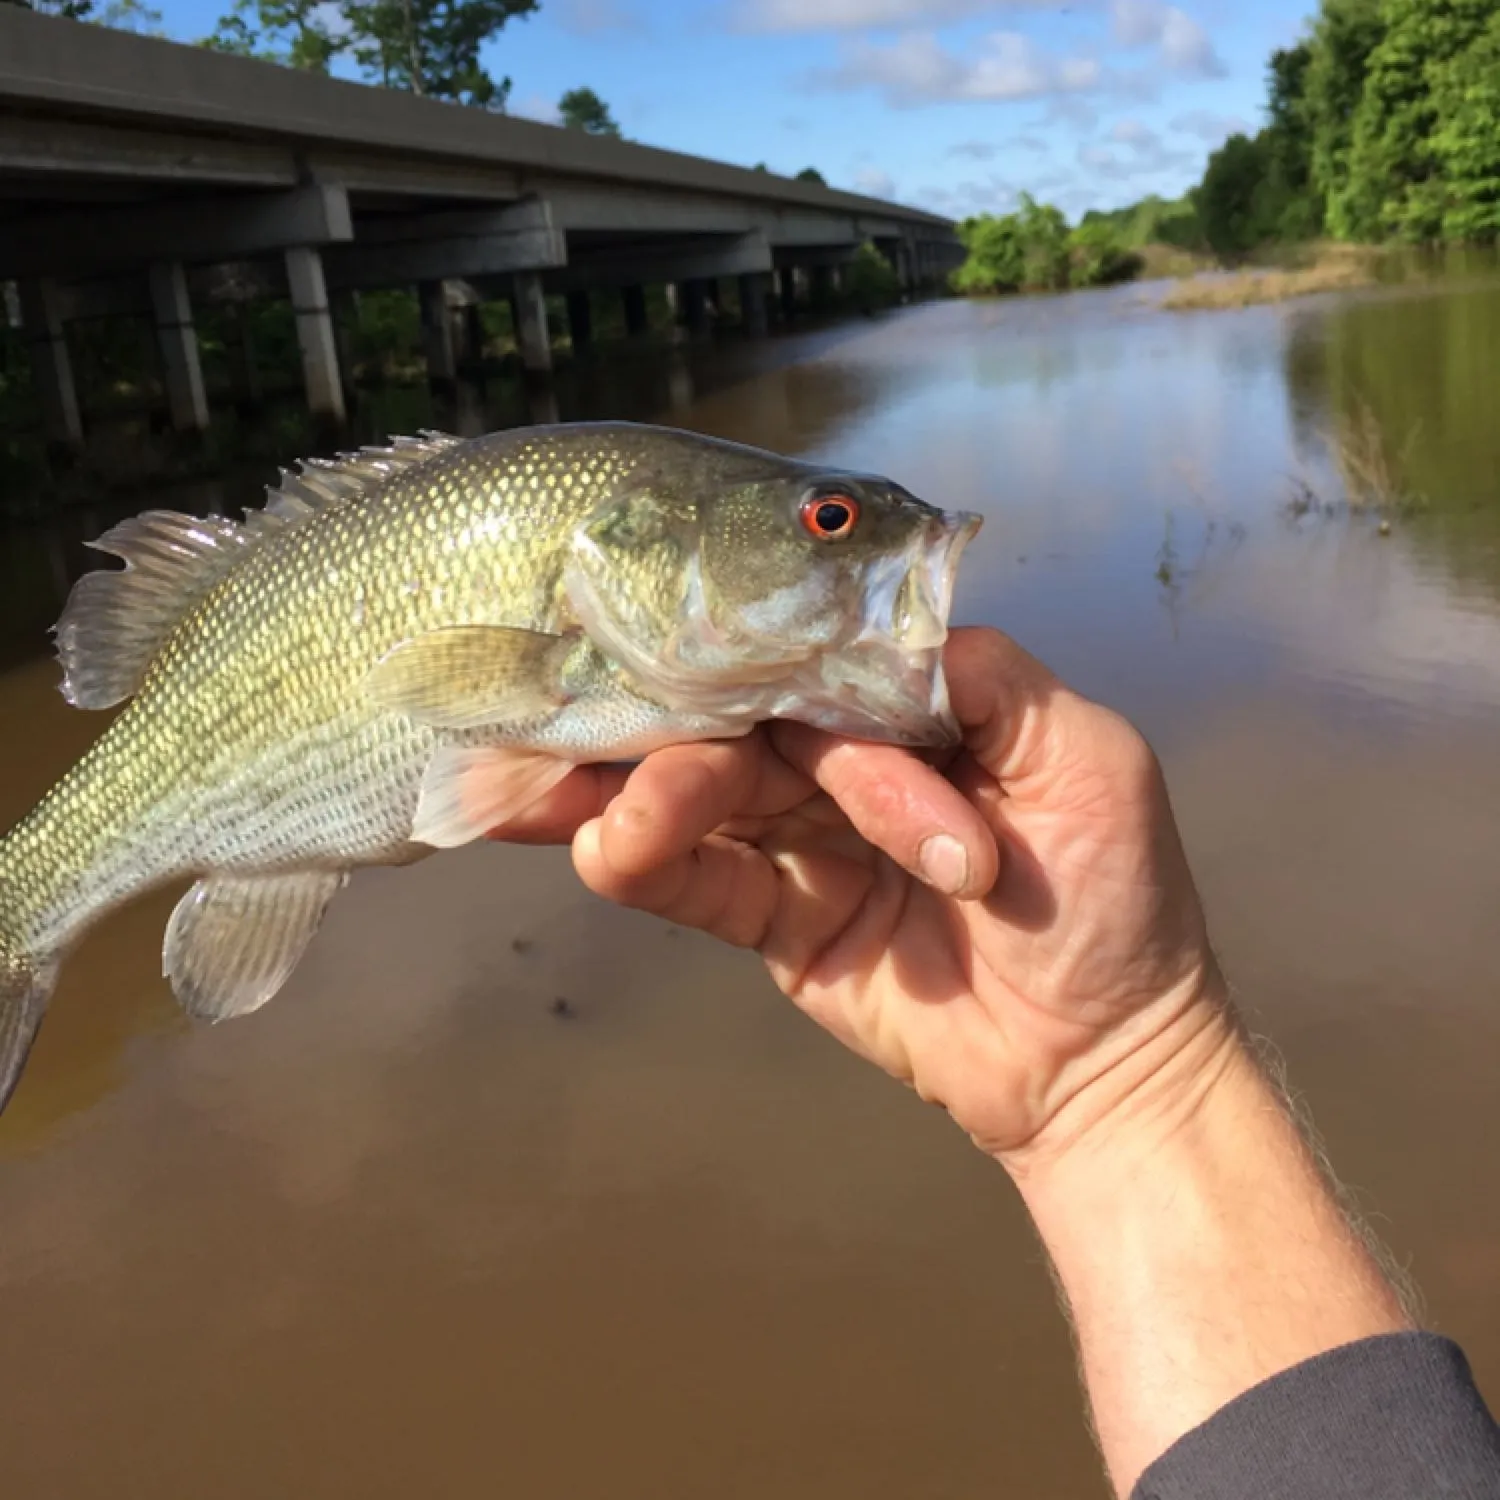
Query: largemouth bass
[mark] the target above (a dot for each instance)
(408, 645)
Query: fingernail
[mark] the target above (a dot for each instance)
(944, 863)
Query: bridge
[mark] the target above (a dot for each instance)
(132, 169)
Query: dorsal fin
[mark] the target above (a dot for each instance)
(115, 621)
(324, 481)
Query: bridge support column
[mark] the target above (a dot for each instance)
(182, 371)
(315, 334)
(694, 298)
(634, 298)
(822, 285)
(580, 320)
(788, 277)
(437, 333)
(52, 368)
(530, 310)
(753, 303)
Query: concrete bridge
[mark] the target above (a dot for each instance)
(131, 168)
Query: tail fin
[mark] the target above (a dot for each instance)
(25, 988)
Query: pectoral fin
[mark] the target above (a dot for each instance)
(233, 941)
(467, 676)
(467, 792)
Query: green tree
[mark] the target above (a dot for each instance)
(295, 33)
(431, 47)
(1344, 36)
(1291, 207)
(1231, 196)
(1466, 143)
(121, 15)
(812, 174)
(583, 109)
(1395, 173)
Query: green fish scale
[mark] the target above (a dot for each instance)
(250, 743)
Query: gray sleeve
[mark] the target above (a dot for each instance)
(1391, 1418)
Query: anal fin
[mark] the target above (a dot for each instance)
(234, 940)
(469, 791)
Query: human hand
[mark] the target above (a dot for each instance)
(1016, 935)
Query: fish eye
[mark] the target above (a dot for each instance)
(830, 518)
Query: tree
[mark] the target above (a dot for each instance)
(431, 47)
(812, 174)
(1346, 33)
(1466, 143)
(1395, 175)
(1291, 206)
(120, 15)
(295, 33)
(583, 109)
(428, 47)
(1230, 196)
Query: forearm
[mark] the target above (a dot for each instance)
(1200, 1250)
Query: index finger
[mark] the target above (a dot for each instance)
(676, 797)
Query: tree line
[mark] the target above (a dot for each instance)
(1382, 124)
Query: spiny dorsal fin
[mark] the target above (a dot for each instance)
(115, 621)
(323, 481)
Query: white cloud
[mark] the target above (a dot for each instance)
(871, 15)
(535, 107)
(1209, 127)
(588, 17)
(1181, 43)
(917, 68)
(874, 183)
(1132, 149)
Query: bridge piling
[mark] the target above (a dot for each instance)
(315, 333)
(530, 309)
(437, 333)
(182, 370)
(44, 331)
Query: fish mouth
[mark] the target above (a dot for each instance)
(888, 683)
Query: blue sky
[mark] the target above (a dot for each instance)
(952, 104)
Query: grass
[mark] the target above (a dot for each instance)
(1332, 268)
(1372, 475)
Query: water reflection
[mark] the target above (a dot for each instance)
(680, 1222)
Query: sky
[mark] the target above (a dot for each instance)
(952, 105)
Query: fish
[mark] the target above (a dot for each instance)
(409, 644)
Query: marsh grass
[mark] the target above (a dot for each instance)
(1300, 271)
(1373, 473)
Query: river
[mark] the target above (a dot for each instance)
(410, 1232)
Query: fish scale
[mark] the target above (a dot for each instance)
(409, 644)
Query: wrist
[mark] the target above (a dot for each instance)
(1138, 1088)
(1199, 1246)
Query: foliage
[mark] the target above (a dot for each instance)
(1034, 250)
(1343, 37)
(121, 15)
(812, 174)
(295, 33)
(428, 47)
(1382, 123)
(1152, 221)
(1229, 199)
(1466, 142)
(1099, 259)
(870, 281)
(583, 109)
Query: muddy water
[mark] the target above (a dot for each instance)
(407, 1232)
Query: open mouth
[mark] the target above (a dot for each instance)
(888, 684)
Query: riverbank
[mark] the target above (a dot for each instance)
(1336, 269)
